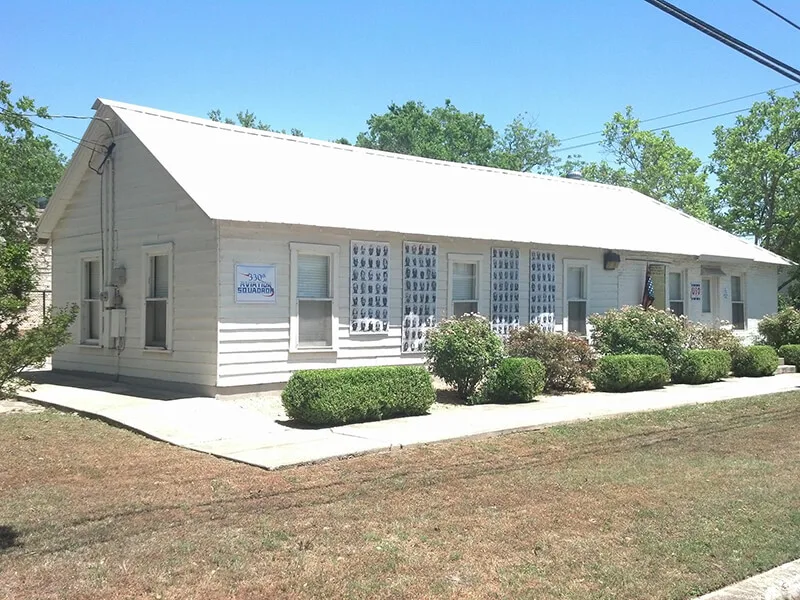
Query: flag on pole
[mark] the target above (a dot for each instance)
(649, 294)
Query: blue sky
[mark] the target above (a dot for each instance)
(324, 67)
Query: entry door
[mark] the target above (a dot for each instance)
(709, 309)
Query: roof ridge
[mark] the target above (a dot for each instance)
(203, 122)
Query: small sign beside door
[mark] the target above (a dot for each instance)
(696, 291)
(255, 283)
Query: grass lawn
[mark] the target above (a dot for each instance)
(659, 505)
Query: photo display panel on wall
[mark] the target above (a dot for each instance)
(543, 289)
(369, 287)
(420, 269)
(505, 290)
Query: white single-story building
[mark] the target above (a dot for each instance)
(225, 258)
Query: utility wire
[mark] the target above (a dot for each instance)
(688, 110)
(730, 41)
(71, 138)
(87, 117)
(777, 14)
(725, 114)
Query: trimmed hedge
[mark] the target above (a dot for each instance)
(630, 372)
(703, 366)
(755, 361)
(340, 396)
(514, 380)
(790, 353)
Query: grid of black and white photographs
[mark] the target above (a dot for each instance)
(369, 287)
(543, 289)
(505, 290)
(420, 268)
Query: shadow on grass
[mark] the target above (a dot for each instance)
(9, 537)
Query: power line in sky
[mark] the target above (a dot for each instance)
(727, 39)
(688, 110)
(777, 14)
(681, 124)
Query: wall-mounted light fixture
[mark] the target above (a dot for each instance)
(610, 260)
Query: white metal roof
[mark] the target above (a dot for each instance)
(240, 174)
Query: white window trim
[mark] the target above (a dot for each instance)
(743, 301)
(477, 260)
(148, 251)
(572, 262)
(332, 252)
(84, 257)
(682, 273)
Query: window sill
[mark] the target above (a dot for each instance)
(320, 350)
(157, 350)
(95, 345)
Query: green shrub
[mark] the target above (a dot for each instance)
(567, 359)
(701, 337)
(633, 330)
(780, 329)
(630, 372)
(790, 353)
(703, 366)
(514, 380)
(755, 361)
(340, 396)
(462, 350)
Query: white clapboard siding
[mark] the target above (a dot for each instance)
(150, 208)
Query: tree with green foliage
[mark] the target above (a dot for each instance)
(757, 163)
(249, 119)
(30, 167)
(651, 163)
(447, 133)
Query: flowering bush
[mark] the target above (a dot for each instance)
(781, 329)
(462, 350)
(567, 359)
(633, 330)
(702, 337)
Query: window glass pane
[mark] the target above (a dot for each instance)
(575, 282)
(159, 276)
(156, 323)
(577, 317)
(314, 323)
(736, 288)
(313, 276)
(737, 310)
(706, 293)
(676, 307)
(464, 281)
(94, 321)
(675, 286)
(462, 308)
(91, 279)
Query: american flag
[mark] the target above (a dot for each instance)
(649, 294)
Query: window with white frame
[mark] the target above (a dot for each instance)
(463, 290)
(158, 297)
(91, 304)
(737, 303)
(676, 292)
(314, 319)
(576, 276)
(705, 291)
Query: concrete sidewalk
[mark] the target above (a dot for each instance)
(222, 428)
